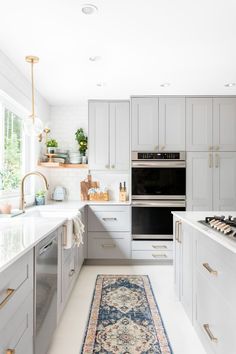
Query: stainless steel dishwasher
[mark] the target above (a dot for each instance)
(46, 269)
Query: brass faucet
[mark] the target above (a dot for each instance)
(22, 187)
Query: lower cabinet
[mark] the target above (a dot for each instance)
(16, 310)
(205, 277)
(153, 250)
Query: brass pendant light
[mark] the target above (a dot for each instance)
(33, 125)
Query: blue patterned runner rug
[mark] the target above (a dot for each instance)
(125, 318)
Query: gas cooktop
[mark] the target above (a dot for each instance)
(226, 226)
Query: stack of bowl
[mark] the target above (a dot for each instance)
(75, 157)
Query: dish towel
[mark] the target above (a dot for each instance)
(78, 230)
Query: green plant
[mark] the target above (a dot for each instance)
(52, 143)
(82, 140)
(40, 194)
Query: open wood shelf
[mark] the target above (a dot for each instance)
(62, 165)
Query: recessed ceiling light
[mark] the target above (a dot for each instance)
(165, 84)
(101, 84)
(89, 9)
(95, 58)
(230, 84)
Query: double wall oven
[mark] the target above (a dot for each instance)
(158, 187)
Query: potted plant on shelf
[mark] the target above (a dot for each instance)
(82, 140)
(40, 197)
(51, 144)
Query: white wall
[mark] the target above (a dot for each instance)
(65, 120)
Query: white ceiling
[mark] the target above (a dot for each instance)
(142, 43)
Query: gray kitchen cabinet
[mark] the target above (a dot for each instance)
(211, 181)
(211, 124)
(172, 124)
(224, 124)
(145, 124)
(109, 135)
(16, 310)
(199, 124)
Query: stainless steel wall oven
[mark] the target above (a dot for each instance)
(158, 187)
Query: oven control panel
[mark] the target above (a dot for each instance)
(159, 156)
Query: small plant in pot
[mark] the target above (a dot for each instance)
(40, 197)
(82, 140)
(51, 144)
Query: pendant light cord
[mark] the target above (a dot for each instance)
(33, 99)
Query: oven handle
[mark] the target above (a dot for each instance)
(159, 164)
(159, 203)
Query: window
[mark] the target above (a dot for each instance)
(14, 158)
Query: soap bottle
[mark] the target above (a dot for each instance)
(123, 193)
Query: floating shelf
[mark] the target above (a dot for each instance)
(62, 165)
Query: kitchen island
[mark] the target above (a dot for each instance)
(205, 281)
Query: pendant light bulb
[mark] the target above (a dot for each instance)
(32, 124)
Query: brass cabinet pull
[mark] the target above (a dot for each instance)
(108, 245)
(209, 269)
(10, 351)
(112, 166)
(179, 238)
(109, 219)
(64, 235)
(159, 246)
(163, 255)
(10, 292)
(210, 148)
(209, 333)
(217, 160)
(210, 161)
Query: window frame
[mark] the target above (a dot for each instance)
(28, 147)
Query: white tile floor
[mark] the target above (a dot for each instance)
(70, 332)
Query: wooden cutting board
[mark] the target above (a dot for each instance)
(85, 186)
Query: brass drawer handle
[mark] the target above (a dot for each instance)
(10, 351)
(179, 225)
(109, 219)
(64, 235)
(10, 293)
(209, 333)
(159, 246)
(177, 230)
(159, 255)
(108, 246)
(209, 269)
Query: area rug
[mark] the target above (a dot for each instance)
(124, 318)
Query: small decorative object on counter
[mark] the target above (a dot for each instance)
(86, 185)
(5, 208)
(51, 144)
(98, 194)
(82, 140)
(40, 197)
(123, 193)
(74, 157)
(59, 194)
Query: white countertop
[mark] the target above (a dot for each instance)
(192, 218)
(20, 234)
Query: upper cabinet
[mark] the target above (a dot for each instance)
(158, 124)
(172, 124)
(109, 135)
(211, 124)
(145, 124)
(224, 124)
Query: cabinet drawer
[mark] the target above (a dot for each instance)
(17, 333)
(215, 320)
(217, 265)
(109, 218)
(152, 245)
(109, 245)
(154, 255)
(16, 282)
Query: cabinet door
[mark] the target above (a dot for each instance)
(224, 124)
(145, 124)
(119, 136)
(199, 180)
(99, 135)
(186, 239)
(199, 122)
(172, 124)
(224, 178)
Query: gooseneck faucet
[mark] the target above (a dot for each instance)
(22, 187)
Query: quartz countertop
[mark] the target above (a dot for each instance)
(20, 234)
(192, 218)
